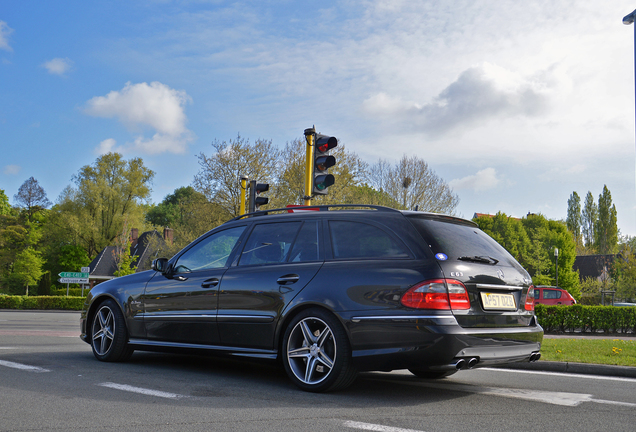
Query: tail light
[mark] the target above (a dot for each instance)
(433, 294)
(529, 304)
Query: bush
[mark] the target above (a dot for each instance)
(609, 319)
(41, 302)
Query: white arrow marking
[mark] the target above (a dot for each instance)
(143, 391)
(22, 366)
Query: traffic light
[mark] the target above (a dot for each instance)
(322, 162)
(255, 200)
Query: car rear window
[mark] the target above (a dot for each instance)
(457, 240)
(355, 240)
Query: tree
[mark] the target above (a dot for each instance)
(32, 197)
(171, 211)
(27, 268)
(531, 241)
(606, 227)
(106, 193)
(574, 220)
(219, 174)
(349, 173)
(588, 219)
(5, 207)
(412, 183)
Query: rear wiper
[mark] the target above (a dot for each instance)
(479, 259)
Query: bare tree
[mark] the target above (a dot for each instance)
(218, 176)
(32, 197)
(413, 184)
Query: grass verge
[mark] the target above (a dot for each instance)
(599, 351)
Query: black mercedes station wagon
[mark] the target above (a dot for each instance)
(328, 293)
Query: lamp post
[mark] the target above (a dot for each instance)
(556, 259)
(627, 20)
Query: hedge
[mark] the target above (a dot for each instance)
(41, 302)
(581, 318)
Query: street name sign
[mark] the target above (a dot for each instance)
(73, 280)
(82, 275)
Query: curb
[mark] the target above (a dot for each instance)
(575, 368)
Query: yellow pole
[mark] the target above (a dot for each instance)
(309, 163)
(242, 195)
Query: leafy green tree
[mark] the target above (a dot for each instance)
(5, 207)
(27, 269)
(625, 273)
(172, 211)
(531, 241)
(106, 193)
(606, 227)
(574, 219)
(589, 217)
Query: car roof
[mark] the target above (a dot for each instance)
(352, 209)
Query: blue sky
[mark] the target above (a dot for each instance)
(515, 104)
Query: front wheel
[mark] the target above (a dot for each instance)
(316, 352)
(109, 338)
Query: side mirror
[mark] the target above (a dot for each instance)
(160, 265)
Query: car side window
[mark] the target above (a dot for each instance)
(360, 240)
(551, 294)
(269, 243)
(211, 252)
(306, 245)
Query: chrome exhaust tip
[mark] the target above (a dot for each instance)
(534, 356)
(473, 362)
(460, 364)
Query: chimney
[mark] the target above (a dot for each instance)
(134, 236)
(168, 235)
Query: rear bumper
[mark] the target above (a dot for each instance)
(423, 343)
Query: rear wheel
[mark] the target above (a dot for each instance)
(109, 338)
(428, 374)
(317, 353)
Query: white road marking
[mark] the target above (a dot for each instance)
(22, 366)
(143, 391)
(375, 427)
(554, 398)
(8, 348)
(561, 374)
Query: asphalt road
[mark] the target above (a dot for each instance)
(50, 381)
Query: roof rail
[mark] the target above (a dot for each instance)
(328, 207)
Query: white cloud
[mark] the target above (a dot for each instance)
(480, 94)
(106, 146)
(58, 66)
(5, 31)
(11, 169)
(484, 180)
(156, 106)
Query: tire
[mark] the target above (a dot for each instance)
(109, 338)
(316, 352)
(428, 374)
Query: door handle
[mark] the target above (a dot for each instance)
(288, 279)
(210, 283)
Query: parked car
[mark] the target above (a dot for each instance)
(329, 293)
(549, 295)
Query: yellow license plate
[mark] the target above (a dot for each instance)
(493, 301)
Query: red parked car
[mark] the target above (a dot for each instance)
(549, 295)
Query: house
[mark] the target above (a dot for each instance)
(104, 266)
(594, 266)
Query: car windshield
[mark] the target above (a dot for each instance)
(461, 242)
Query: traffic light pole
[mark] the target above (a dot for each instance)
(242, 195)
(309, 164)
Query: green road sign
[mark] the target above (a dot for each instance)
(73, 275)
